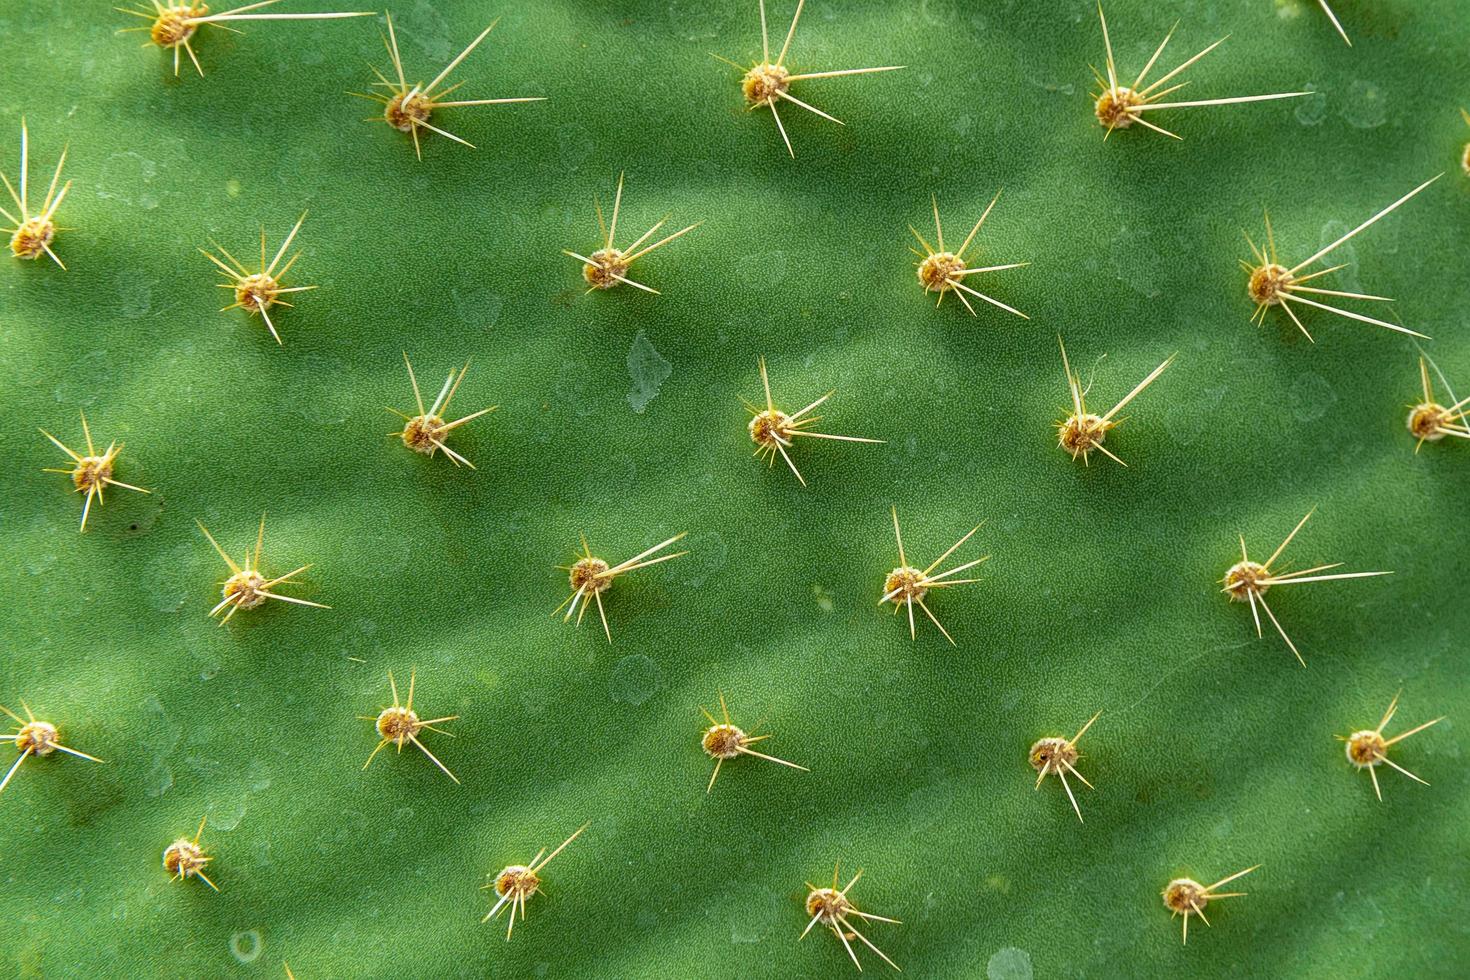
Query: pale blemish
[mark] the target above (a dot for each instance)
(1359, 914)
(133, 292)
(165, 590)
(1009, 963)
(1056, 88)
(1187, 428)
(130, 171)
(1288, 9)
(478, 308)
(648, 370)
(328, 404)
(432, 37)
(755, 915)
(940, 17)
(1135, 261)
(1346, 255)
(145, 522)
(823, 598)
(85, 379)
(159, 780)
(575, 143)
(163, 738)
(1311, 397)
(1365, 106)
(707, 554)
(698, 21)
(609, 477)
(762, 270)
(246, 946)
(634, 680)
(573, 387)
(1311, 109)
(40, 564)
(226, 816)
(300, 169)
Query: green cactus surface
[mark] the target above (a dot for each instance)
(621, 417)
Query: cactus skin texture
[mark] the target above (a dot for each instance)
(621, 417)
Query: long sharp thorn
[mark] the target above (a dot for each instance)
(663, 241)
(991, 300)
(772, 758)
(644, 554)
(1333, 17)
(23, 756)
(1277, 624)
(1370, 221)
(1226, 881)
(1182, 67)
(1108, 43)
(1324, 578)
(779, 125)
(286, 244)
(840, 934)
(1076, 809)
(1282, 547)
(810, 75)
(898, 535)
(535, 866)
(780, 58)
(601, 614)
(935, 620)
(1413, 731)
(976, 230)
(1232, 101)
(393, 50)
(1072, 384)
(1146, 68)
(433, 758)
(951, 550)
(1386, 760)
(1153, 375)
(462, 56)
(1359, 317)
(867, 943)
(47, 205)
(25, 166)
(808, 107)
(612, 231)
(222, 553)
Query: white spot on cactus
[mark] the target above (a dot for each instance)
(1365, 106)
(1310, 397)
(634, 680)
(648, 369)
(246, 946)
(707, 554)
(1311, 109)
(1009, 963)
